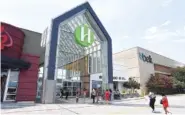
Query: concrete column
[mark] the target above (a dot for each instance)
(49, 91)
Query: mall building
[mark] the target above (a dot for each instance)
(74, 51)
(140, 63)
(73, 47)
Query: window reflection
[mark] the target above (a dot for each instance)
(12, 84)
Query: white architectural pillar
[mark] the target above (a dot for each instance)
(49, 92)
(6, 86)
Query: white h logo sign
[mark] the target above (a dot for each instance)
(85, 32)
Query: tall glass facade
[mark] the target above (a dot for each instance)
(68, 64)
(74, 60)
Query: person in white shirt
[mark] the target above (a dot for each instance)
(152, 98)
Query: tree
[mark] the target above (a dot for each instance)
(159, 83)
(179, 79)
(132, 84)
(178, 85)
(126, 84)
(179, 74)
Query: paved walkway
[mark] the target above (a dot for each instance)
(129, 107)
(89, 100)
(86, 109)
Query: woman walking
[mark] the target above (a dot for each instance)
(165, 104)
(67, 93)
(77, 95)
(97, 95)
(152, 101)
(107, 96)
(93, 95)
(84, 94)
(61, 92)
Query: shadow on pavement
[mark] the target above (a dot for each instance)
(15, 105)
(157, 112)
(144, 105)
(73, 101)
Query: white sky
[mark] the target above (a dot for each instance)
(157, 25)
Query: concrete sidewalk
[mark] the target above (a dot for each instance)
(131, 106)
(62, 101)
(89, 100)
(87, 109)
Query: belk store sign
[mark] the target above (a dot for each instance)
(145, 58)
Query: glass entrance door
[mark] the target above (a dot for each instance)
(71, 87)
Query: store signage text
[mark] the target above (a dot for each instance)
(6, 39)
(84, 36)
(145, 58)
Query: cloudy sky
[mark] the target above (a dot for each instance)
(157, 25)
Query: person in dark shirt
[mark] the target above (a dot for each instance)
(77, 95)
(67, 93)
(93, 95)
(62, 93)
(110, 95)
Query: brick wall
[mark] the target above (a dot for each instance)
(162, 68)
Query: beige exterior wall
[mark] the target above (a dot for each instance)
(128, 59)
(137, 68)
(146, 69)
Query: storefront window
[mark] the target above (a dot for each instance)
(12, 86)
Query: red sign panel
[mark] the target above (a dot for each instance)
(6, 39)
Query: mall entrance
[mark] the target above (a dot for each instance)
(72, 77)
(76, 47)
(68, 86)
